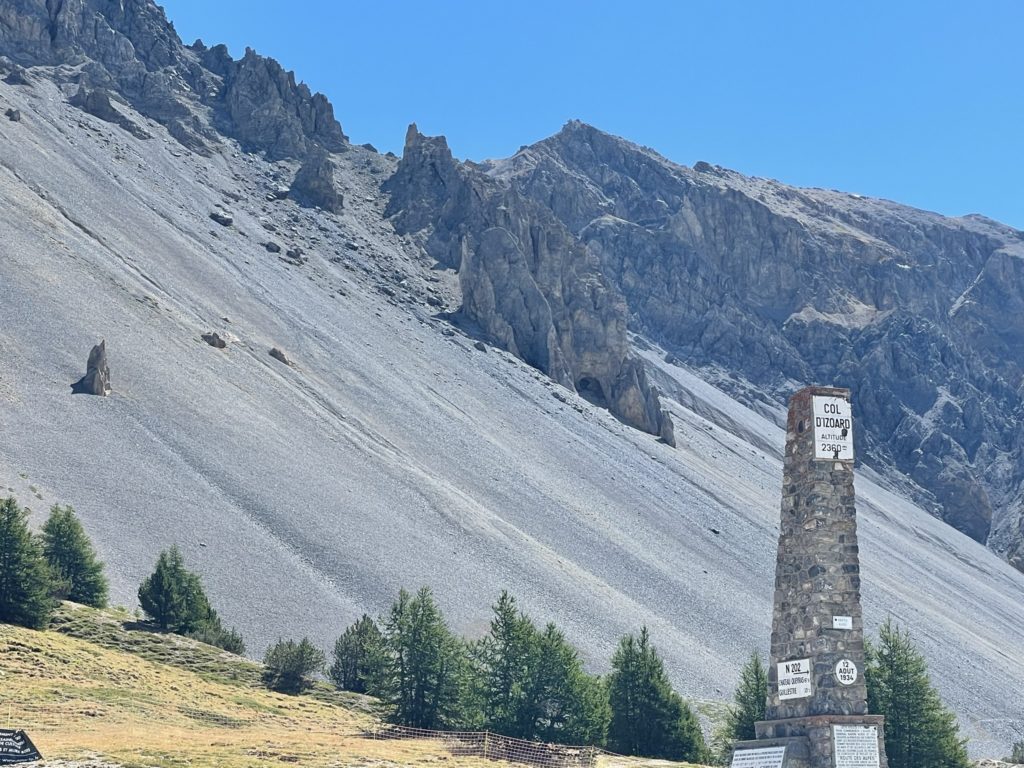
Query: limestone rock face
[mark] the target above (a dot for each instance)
(97, 373)
(921, 315)
(269, 111)
(314, 183)
(526, 281)
(130, 48)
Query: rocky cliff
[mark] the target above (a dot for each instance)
(918, 313)
(527, 282)
(130, 48)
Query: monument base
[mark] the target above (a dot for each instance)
(787, 752)
(816, 741)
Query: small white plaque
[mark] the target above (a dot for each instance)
(856, 746)
(794, 679)
(846, 672)
(762, 757)
(842, 622)
(833, 428)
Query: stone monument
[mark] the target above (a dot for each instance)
(817, 710)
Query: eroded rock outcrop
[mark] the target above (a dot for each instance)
(97, 373)
(526, 281)
(266, 109)
(130, 48)
(314, 185)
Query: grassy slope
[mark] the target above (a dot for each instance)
(91, 686)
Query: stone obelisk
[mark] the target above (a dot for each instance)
(817, 712)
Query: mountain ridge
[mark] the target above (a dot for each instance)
(394, 451)
(867, 261)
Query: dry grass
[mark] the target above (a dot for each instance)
(77, 698)
(90, 687)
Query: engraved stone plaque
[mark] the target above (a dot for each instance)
(762, 757)
(856, 746)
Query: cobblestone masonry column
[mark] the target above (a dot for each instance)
(816, 715)
(817, 612)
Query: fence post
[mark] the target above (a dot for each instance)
(486, 740)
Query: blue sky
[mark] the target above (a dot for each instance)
(920, 102)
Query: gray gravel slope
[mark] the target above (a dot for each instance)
(393, 454)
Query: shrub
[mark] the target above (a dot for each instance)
(290, 665)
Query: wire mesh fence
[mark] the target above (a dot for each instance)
(494, 746)
(121, 724)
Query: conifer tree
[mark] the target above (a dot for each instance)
(357, 655)
(289, 666)
(423, 676)
(72, 559)
(648, 717)
(212, 632)
(506, 657)
(748, 707)
(1017, 755)
(749, 701)
(164, 594)
(25, 578)
(919, 731)
(174, 598)
(563, 704)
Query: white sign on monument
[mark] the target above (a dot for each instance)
(762, 757)
(842, 622)
(846, 672)
(794, 679)
(833, 428)
(856, 746)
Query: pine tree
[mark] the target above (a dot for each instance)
(748, 707)
(72, 559)
(423, 677)
(174, 598)
(25, 578)
(1017, 755)
(290, 666)
(648, 717)
(164, 593)
(505, 657)
(357, 654)
(919, 731)
(749, 700)
(562, 703)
